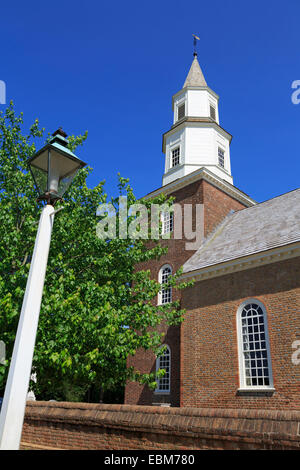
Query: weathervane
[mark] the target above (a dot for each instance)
(195, 44)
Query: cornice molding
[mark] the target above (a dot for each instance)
(247, 262)
(206, 175)
(195, 122)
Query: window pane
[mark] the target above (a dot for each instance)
(256, 370)
(176, 156)
(221, 158)
(164, 362)
(167, 222)
(166, 293)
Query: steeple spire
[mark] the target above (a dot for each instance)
(195, 76)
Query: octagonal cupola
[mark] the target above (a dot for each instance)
(196, 138)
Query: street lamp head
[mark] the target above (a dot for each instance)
(54, 167)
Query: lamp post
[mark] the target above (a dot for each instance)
(53, 168)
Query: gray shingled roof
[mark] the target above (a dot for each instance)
(267, 225)
(195, 76)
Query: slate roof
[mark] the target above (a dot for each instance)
(195, 76)
(270, 224)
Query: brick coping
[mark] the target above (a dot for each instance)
(239, 413)
(265, 426)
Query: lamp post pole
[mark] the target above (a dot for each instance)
(53, 169)
(14, 402)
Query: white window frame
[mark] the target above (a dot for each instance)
(167, 220)
(224, 153)
(164, 378)
(160, 280)
(242, 352)
(177, 147)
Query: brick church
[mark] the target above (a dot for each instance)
(237, 346)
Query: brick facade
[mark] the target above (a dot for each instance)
(204, 349)
(217, 205)
(209, 358)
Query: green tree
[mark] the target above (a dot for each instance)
(97, 308)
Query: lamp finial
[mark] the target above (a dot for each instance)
(61, 132)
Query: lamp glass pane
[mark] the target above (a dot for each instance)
(41, 179)
(61, 173)
(65, 182)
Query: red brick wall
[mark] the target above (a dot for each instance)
(83, 426)
(217, 205)
(209, 363)
(145, 362)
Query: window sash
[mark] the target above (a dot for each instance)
(164, 362)
(175, 156)
(221, 157)
(167, 222)
(255, 362)
(165, 295)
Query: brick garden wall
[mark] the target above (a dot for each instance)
(83, 426)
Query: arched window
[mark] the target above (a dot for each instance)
(253, 342)
(165, 295)
(164, 362)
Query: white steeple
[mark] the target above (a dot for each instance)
(196, 138)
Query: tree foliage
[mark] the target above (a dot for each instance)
(97, 309)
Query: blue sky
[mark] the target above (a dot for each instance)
(112, 68)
